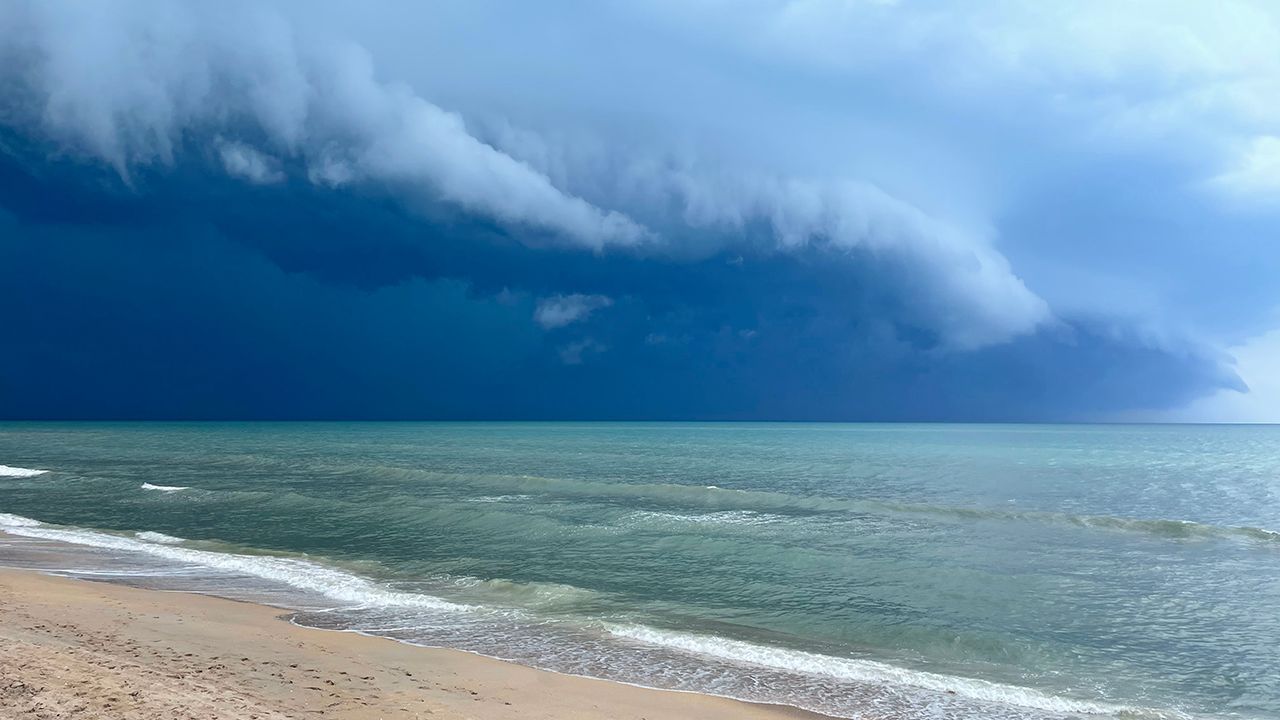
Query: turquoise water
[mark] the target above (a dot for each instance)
(899, 571)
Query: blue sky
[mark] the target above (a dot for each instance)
(815, 209)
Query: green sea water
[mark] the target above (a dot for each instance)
(888, 571)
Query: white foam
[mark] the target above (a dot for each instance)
(723, 517)
(19, 472)
(155, 537)
(15, 521)
(538, 594)
(329, 582)
(499, 498)
(164, 488)
(863, 671)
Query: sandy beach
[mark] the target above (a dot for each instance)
(78, 649)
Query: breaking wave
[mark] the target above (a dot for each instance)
(160, 538)
(868, 671)
(164, 488)
(711, 500)
(397, 612)
(328, 582)
(19, 472)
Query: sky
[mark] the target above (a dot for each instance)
(859, 210)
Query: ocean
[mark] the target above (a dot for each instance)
(863, 571)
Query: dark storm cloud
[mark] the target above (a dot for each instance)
(252, 211)
(136, 84)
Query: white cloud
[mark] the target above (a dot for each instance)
(560, 310)
(1254, 179)
(576, 352)
(1143, 51)
(246, 163)
(963, 286)
(127, 82)
(127, 85)
(822, 121)
(1258, 364)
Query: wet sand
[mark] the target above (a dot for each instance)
(89, 650)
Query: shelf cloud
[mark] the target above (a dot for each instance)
(818, 210)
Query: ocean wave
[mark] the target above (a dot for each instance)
(164, 488)
(1175, 528)
(869, 672)
(19, 472)
(157, 537)
(357, 592)
(328, 582)
(724, 517)
(709, 499)
(1159, 527)
(536, 595)
(9, 520)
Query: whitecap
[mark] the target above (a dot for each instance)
(864, 671)
(335, 584)
(8, 520)
(19, 472)
(499, 498)
(164, 488)
(157, 537)
(723, 517)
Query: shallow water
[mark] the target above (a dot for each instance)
(907, 571)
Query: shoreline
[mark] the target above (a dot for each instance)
(91, 649)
